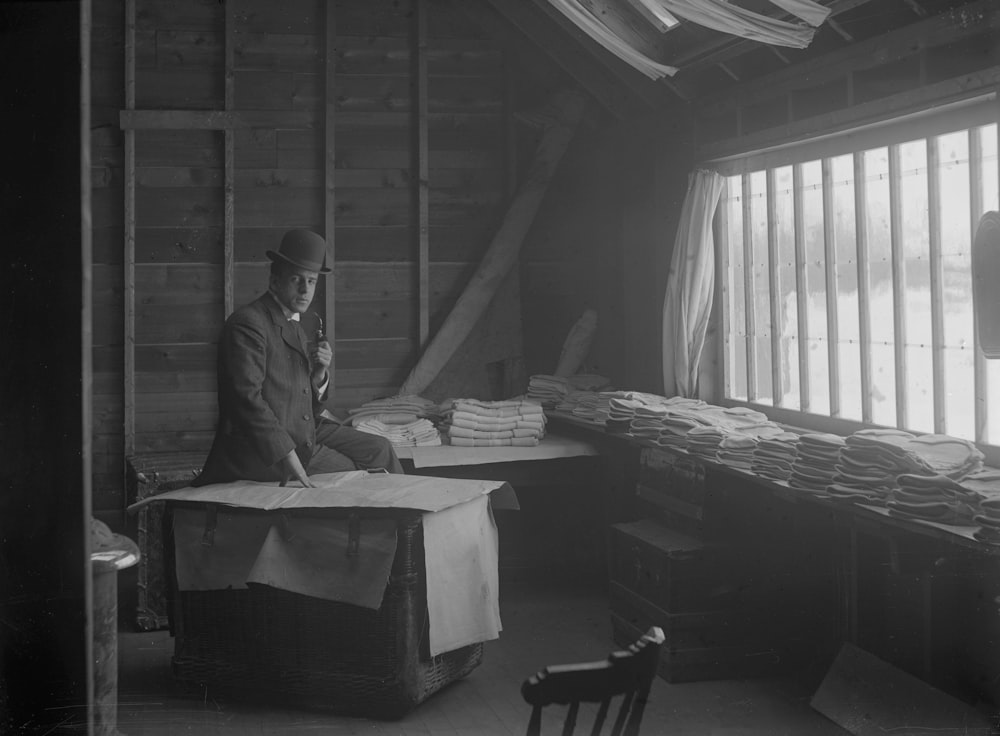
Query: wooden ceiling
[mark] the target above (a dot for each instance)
(710, 62)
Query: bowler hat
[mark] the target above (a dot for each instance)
(302, 248)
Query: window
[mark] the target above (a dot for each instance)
(846, 286)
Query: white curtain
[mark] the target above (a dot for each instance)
(690, 283)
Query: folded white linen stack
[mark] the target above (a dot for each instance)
(548, 390)
(406, 421)
(475, 423)
(416, 433)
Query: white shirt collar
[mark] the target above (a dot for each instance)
(289, 314)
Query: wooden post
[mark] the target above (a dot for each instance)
(329, 183)
(129, 254)
(567, 110)
(229, 203)
(421, 191)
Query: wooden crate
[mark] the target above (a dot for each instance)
(147, 476)
(673, 571)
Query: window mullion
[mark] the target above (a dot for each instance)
(898, 283)
(801, 287)
(774, 291)
(937, 278)
(864, 295)
(726, 349)
(749, 292)
(830, 268)
(976, 207)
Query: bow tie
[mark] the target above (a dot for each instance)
(294, 317)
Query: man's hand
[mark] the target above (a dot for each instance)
(320, 357)
(292, 466)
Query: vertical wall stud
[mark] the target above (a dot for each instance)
(229, 205)
(421, 191)
(329, 182)
(129, 254)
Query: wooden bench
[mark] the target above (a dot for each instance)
(147, 475)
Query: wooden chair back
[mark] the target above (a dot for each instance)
(628, 674)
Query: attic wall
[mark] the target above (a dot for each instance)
(943, 59)
(279, 183)
(604, 239)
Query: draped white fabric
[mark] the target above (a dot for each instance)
(729, 18)
(812, 13)
(690, 283)
(584, 20)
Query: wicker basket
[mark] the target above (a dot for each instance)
(271, 645)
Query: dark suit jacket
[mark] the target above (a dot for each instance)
(267, 405)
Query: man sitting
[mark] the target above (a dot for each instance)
(273, 380)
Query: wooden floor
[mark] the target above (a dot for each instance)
(544, 623)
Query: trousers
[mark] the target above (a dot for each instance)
(340, 448)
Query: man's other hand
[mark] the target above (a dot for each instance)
(292, 466)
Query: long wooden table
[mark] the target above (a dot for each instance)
(871, 546)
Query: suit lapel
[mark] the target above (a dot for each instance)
(290, 331)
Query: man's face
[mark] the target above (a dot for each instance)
(294, 287)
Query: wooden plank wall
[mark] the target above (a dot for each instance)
(278, 183)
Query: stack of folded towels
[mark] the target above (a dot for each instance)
(932, 498)
(985, 485)
(548, 390)
(475, 423)
(815, 462)
(406, 421)
(773, 456)
(868, 465)
(562, 392)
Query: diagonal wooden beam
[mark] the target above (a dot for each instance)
(564, 115)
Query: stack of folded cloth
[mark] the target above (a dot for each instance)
(575, 398)
(773, 456)
(815, 462)
(676, 426)
(622, 406)
(869, 464)
(395, 410)
(562, 392)
(931, 454)
(988, 519)
(415, 433)
(736, 450)
(548, 390)
(704, 441)
(932, 498)
(514, 422)
(984, 485)
(587, 405)
(647, 422)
